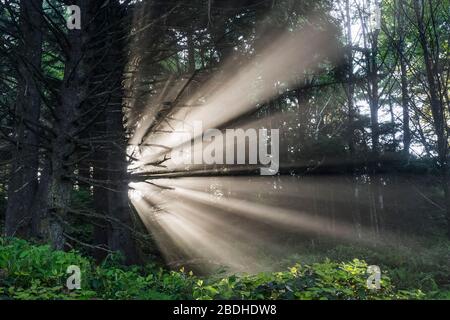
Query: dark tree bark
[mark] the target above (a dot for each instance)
(100, 234)
(111, 164)
(24, 170)
(62, 163)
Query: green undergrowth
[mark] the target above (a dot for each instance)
(424, 265)
(30, 271)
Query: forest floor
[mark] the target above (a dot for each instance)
(29, 271)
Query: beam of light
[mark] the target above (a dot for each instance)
(220, 220)
(156, 151)
(284, 218)
(191, 230)
(153, 106)
(135, 195)
(238, 88)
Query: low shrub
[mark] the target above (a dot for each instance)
(327, 280)
(37, 272)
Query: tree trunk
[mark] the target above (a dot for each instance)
(120, 237)
(100, 234)
(72, 95)
(403, 79)
(437, 108)
(373, 95)
(24, 170)
(350, 86)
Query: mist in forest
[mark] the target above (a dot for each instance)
(228, 135)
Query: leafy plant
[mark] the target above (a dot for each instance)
(328, 280)
(31, 272)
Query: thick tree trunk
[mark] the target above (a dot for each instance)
(40, 203)
(24, 170)
(100, 234)
(72, 95)
(120, 237)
